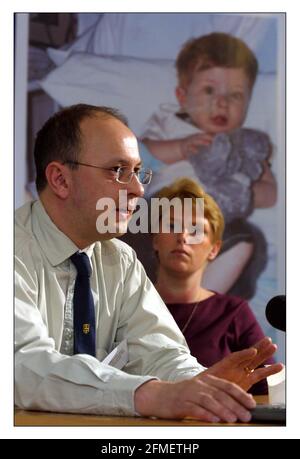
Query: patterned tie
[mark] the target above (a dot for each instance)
(84, 310)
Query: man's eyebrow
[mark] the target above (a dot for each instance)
(124, 162)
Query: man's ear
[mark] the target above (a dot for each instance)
(214, 250)
(180, 95)
(58, 177)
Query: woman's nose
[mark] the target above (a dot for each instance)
(181, 237)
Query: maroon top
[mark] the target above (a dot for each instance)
(221, 324)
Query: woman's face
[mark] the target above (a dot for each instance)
(177, 256)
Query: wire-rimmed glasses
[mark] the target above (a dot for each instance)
(123, 174)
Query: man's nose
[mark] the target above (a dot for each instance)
(135, 187)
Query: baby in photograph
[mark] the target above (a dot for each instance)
(203, 138)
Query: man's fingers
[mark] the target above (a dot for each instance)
(200, 413)
(228, 401)
(233, 390)
(219, 408)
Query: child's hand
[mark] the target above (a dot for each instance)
(173, 150)
(190, 145)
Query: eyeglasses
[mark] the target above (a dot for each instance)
(123, 174)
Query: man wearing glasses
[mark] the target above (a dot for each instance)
(67, 273)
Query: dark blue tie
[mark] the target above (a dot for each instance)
(84, 310)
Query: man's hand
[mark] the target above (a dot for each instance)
(240, 367)
(207, 398)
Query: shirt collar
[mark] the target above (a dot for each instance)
(54, 243)
(89, 250)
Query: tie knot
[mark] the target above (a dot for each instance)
(82, 263)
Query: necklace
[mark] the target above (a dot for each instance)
(190, 317)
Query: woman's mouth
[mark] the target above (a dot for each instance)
(180, 252)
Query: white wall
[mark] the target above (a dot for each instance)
(21, 53)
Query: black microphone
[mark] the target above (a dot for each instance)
(276, 312)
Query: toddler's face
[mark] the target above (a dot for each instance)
(216, 99)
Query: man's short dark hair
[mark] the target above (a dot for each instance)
(60, 137)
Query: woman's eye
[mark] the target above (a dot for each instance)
(196, 231)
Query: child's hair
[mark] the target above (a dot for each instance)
(188, 188)
(215, 50)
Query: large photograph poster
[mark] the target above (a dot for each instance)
(128, 61)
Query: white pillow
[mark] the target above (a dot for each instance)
(85, 43)
(135, 86)
(138, 86)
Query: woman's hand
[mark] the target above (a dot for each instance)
(241, 367)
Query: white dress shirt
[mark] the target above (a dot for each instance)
(127, 307)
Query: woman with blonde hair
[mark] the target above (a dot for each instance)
(213, 324)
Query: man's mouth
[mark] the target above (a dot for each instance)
(124, 213)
